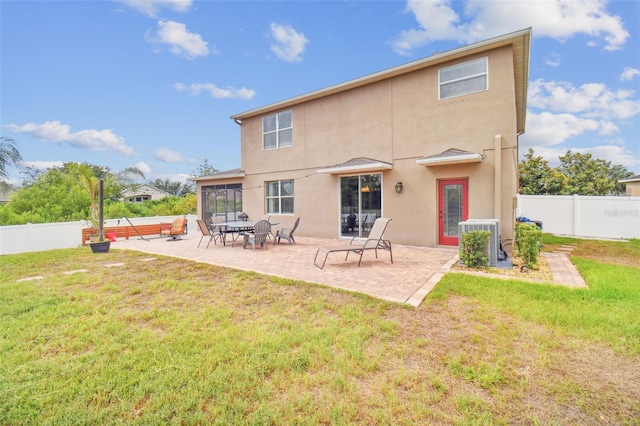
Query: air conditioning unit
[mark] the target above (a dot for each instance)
(491, 225)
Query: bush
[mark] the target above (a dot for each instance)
(473, 250)
(527, 237)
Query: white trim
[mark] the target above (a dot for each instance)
(471, 157)
(379, 166)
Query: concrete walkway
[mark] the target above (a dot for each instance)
(414, 273)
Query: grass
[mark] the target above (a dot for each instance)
(138, 341)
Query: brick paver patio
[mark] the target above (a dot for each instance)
(414, 273)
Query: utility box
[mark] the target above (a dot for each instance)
(491, 225)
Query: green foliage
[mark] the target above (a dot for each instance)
(577, 174)
(473, 249)
(9, 155)
(537, 177)
(204, 169)
(527, 238)
(68, 193)
(174, 187)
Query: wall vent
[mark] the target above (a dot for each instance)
(491, 225)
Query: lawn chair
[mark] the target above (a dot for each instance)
(207, 232)
(286, 233)
(259, 235)
(178, 228)
(374, 242)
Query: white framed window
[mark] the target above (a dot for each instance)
(463, 79)
(277, 130)
(279, 197)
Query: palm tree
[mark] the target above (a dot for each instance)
(92, 185)
(9, 155)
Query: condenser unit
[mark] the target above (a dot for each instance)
(491, 225)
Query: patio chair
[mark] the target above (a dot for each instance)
(259, 235)
(375, 241)
(286, 233)
(178, 228)
(207, 232)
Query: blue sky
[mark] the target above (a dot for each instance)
(152, 84)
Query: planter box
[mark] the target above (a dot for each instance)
(100, 247)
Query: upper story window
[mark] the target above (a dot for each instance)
(462, 79)
(279, 196)
(277, 130)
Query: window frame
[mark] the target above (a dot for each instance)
(279, 197)
(484, 59)
(277, 131)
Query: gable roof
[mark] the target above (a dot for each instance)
(519, 40)
(359, 165)
(144, 189)
(450, 156)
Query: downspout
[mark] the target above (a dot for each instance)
(497, 177)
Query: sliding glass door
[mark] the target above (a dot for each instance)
(360, 204)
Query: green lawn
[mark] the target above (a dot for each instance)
(129, 340)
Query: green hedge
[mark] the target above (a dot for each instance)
(473, 249)
(527, 238)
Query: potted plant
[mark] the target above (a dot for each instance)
(95, 189)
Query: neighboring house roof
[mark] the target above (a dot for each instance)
(360, 164)
(520, 40)
(450, 156)
(226, 174)
(635, 178)
(145, 189)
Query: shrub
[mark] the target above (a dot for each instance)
(473, 250)
(527, 238)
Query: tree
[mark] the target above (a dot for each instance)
(58, 194)
(204, 169)
(617, 173)
(173, 187)
(577, 174)
(537, 177)
(9, 156)
(586, 175)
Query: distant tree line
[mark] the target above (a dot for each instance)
(57, 194)
(579, 174)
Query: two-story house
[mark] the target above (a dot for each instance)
(428, 144)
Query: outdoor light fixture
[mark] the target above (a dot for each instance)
(399, 187)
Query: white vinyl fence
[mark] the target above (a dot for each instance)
(583, 216)
(47, 236)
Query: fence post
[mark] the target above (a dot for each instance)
(576, 215)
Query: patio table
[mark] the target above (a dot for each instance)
(237, 227)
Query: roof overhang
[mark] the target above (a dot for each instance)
(356, 165)
(230, 174)
(519, 40)
(450, 157)
(635, 178)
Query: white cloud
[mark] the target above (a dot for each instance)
(553, 129)
(181, 42)
(143, 167)
(288, 44)
(168, 155)
(93, 140)
(174, 177)
(629, 74)
(560, 19)
(42, 165)
(215, 91)
(151, 7)
(553, 60)
(593, 100)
